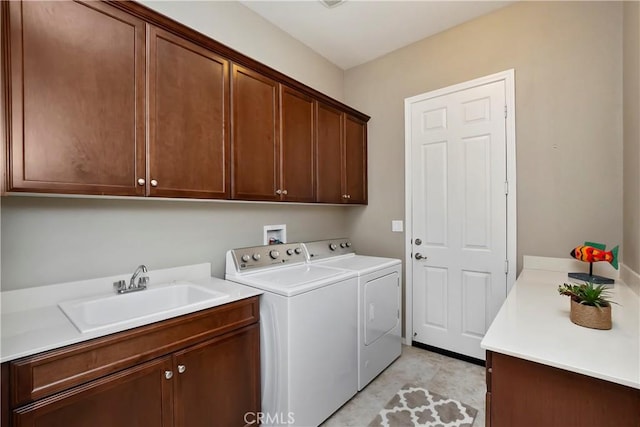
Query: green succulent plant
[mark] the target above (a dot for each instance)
(587, 294)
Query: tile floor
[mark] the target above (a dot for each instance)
(449, 377)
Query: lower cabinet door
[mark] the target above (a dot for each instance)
(137, 397)
(218, 381)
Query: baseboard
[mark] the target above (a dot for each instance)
(448, 353)
(631, 278)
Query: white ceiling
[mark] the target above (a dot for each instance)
(358, 31)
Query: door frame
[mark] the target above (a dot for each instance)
(508, 76)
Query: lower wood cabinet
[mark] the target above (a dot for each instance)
(215, 383)
(528, 394)
(139, 396)
(199, 370)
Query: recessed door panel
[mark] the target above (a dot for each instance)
(477, 188)
(434, 178)
(435, 297)
(475, 292)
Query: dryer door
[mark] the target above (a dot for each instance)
(381, 305)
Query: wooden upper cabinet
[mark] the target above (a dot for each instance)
(109, 98)
(188, 118)
(77, 98)
(341, 157)
(329, 148)
(355, 163)
(297, 124)
(255, 145)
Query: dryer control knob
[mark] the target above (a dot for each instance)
(297, 251)
(245, 258)
(332, 246)
(256, 257)
(348, 244)
(343, 245)
(289, 252)
(274, 254)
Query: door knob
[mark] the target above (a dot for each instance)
(181, 369)
(168, 374)
(141, 181)
(419, 256)
(154, 183)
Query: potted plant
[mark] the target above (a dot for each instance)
(590, 305)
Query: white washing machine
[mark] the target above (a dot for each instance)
(308, 332)
(379, 302)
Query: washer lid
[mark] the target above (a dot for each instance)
(359, 263)
(294, 280)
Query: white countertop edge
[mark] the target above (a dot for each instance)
(45, 327)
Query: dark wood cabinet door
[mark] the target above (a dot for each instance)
(254, 144)
(188, 102)
(297, 176)
(329, 154)
(77, 98)
(218, 381)
(355, 163)
(137, 397)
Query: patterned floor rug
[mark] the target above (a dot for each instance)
(417, 406)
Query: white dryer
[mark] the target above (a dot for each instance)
(379, 302)
(308, 332)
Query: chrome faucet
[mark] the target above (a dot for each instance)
(143, 280)
(140, 284)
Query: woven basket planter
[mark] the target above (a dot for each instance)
(590, 316)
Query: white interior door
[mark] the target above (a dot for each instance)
(459, 216)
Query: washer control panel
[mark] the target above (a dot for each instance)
(265, 256)
(321, 249)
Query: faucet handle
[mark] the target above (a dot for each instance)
(143, 281)
(120, 286)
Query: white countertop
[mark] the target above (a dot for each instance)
(533, 324)
(32, 322)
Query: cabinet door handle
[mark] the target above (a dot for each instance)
(141, 181)
(181, 369)
(154, 183)
(284, 192)
(344, 196)
(168, 374)
(278, 191)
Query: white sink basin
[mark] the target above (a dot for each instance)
(152, 304)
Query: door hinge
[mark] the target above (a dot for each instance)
(506, 266)
(506, 187)
(505, 111)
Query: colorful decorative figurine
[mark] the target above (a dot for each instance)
(594, 252)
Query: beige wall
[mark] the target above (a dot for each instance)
(52, 240)
(631, 73)
(567, 58)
